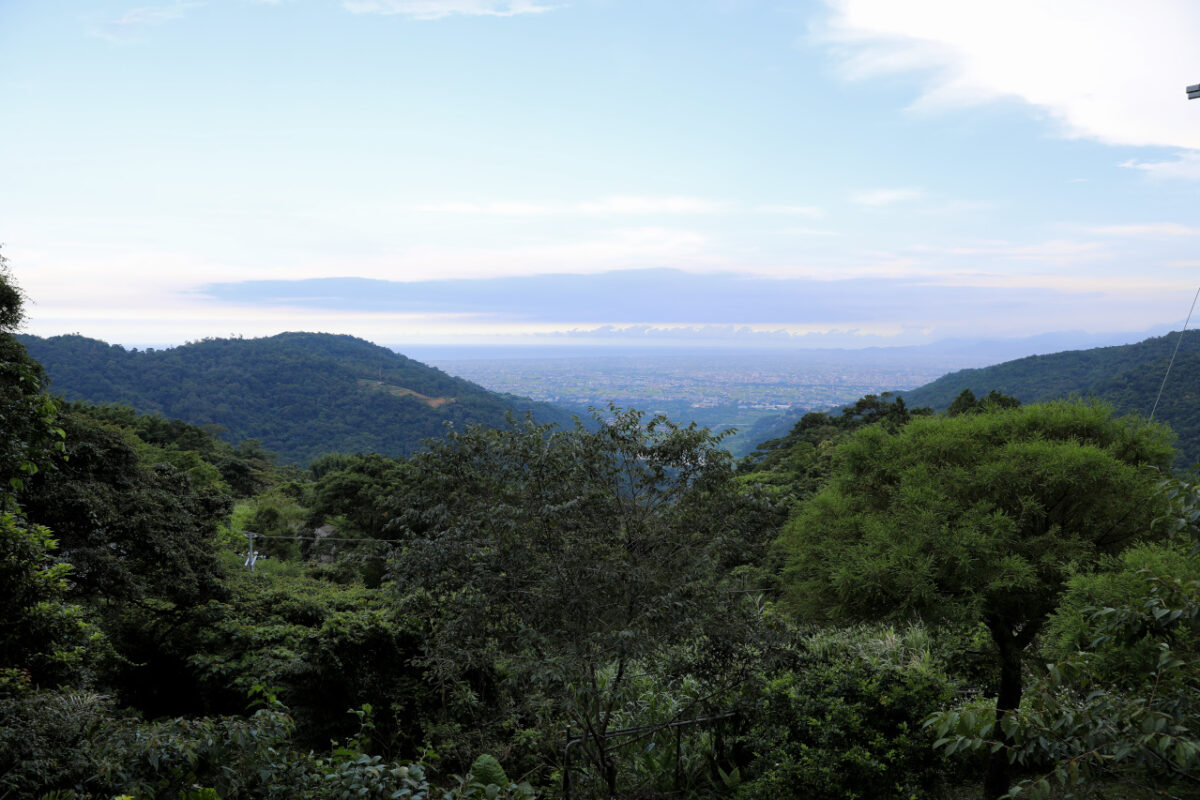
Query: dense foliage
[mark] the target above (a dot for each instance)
(560, 566)
(796, 465)
(43, 638)
(28, 433)
(1119, 708)
(974, 519)
(1127, 377)
(845, 720)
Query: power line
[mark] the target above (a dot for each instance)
(1171, 363)
(1193, 93)
(252, 556)
(312, 538)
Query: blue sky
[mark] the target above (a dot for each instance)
(853, 171)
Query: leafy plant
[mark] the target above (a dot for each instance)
(549, 565)
(974, 519)
(1122, 710)
(846, 720)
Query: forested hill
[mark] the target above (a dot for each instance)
(1128, 377)
(300, 394)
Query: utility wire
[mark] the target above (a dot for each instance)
(1171, 363)
(311, 538)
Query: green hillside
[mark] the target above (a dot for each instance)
(1128, 377)
(299, 394)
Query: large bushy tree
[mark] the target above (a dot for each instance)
(29, 434)
(1119, 711)
(979, 518)
(133, 530)
(42, 636)
(797, 465)
(140, 540)
(569, 563)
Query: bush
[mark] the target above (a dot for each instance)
(847, 722)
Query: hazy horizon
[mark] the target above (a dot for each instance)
(945, 355)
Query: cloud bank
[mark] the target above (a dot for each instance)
(1106, 70)
(653, 296)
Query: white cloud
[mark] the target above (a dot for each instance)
(886, 197)
(1059, 251)
(1061, 283)
(507, 209)
(796, 211)
(1146, 229)
(650, 205)
(1051, 252)
(606, 206)
(628, 248)
(125, 27)
(436, 9)
(1108, 70)
(80, 273)
(812, 232)
(1186, 164)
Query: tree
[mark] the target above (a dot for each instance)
(979, 518)
(1120, 707)
(571, 563)
(844, 721)
(356, 488)
(132, 530)
(140, 541)
(29, 435)
(967, 403)
(43, 638)
(796, 466)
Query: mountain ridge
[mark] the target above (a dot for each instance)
(1128, 377)
(299, 394)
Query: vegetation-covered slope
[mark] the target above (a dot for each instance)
(1128, 377)
(299, 394)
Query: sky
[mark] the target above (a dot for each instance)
(837, 173)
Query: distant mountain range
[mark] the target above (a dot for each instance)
(1128, 377)
(306, 394)
(710, 342)
(300, 395)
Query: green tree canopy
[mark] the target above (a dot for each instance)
(28, 433)
(573, 560)
(132, 530)
(358, 488)
(797, 465)
(967, 403)
(42, 637)
(1120, 710)
(979, 518)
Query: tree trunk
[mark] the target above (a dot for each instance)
(999, 770)
(610, 775)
